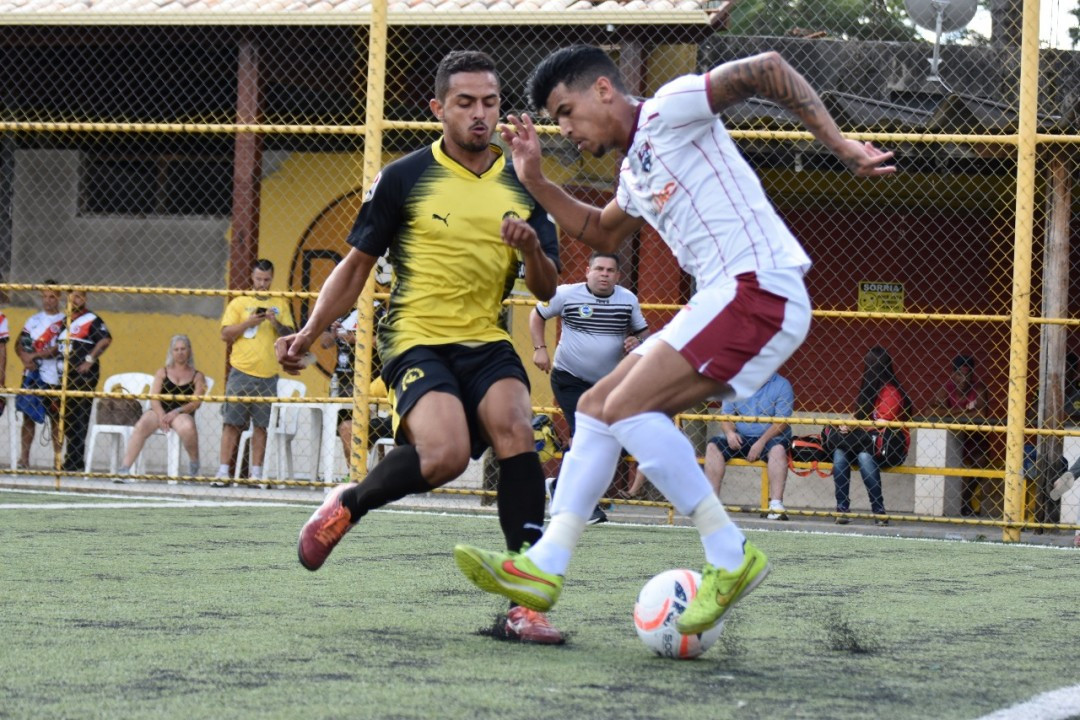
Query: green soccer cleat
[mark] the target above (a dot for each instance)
(720, 589)
(510, 574)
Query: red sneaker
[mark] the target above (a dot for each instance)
(324, 529)
(531, 626)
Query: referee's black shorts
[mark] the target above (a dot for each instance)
(465, 372)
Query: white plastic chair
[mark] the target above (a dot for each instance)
(128, 384)
(284, 422)
(172, 445)
(378, 451)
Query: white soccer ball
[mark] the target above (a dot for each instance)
(658, 607)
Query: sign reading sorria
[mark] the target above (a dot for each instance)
(885, 297)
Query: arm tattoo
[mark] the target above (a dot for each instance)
(770, 77)
(581, 233)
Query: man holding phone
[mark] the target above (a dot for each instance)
(250, 326)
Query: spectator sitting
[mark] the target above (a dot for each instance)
(962, 397)
(756, 440)
(178, 377)
(881, 399)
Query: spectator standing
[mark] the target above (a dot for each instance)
(961, 398)
(178, 377)
(250, 325)
(756, 440)
(82, 344)
(601, 322)
(881, 398)
(37, 350)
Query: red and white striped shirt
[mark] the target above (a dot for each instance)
(684, 176)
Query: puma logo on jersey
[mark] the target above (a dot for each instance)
(443, 219)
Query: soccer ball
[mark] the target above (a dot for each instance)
(658, 607)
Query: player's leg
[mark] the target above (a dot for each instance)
(727, 341)
(433, 436)
(568, 389)
(504, 418)
(534, 578)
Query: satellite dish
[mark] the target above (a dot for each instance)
(941, 16)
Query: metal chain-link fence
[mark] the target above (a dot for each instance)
(155, 162)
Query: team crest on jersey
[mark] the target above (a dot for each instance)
(660, 198)
(371, 190)
(411, 376)
(644, 155)
(584, 311)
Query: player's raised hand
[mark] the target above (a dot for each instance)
(520, 135)
(292, 351)
(865, 160)
(520, 235)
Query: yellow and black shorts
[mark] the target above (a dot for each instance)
(460, 370)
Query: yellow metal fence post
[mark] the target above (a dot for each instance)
(1021, 294)
(373, 123)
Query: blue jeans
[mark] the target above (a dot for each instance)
(871, 475)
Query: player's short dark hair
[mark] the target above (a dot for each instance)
(577, 66)
(264, 265)
(50, 281)
(598, 254)
(460, 61)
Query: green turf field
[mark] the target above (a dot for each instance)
(204, 612)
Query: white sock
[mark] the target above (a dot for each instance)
(586, 472)
(666, 457)
(722, 540)
(223, 470)
(553, 551)
(587, 469)
(256, 472)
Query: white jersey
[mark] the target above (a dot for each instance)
(684, 176)
(593, 328)
(40, 332)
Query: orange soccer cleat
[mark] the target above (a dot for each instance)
(324, 529)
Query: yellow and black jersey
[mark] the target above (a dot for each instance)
(451, 269)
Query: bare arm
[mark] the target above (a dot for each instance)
(155, 389)
(769, 76)
(541, 275)
(230, 333)
(601, 229)
(338, 294)
(541, 358)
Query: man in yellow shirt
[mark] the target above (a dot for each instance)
(250, 326)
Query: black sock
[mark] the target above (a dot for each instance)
(396, 475)
(521, 499)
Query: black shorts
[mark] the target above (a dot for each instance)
(465, 372)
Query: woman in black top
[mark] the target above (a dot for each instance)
(178, 377)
